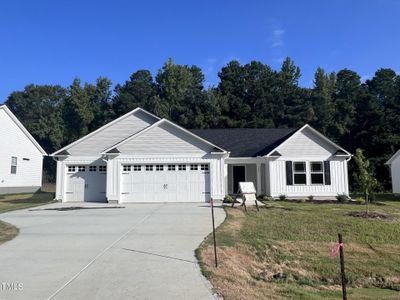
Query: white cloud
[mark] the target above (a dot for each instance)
(278, 38)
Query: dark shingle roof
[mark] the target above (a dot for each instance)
(246, 142)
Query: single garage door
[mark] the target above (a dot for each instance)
(165, 183)
(86, 183)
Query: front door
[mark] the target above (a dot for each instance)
(239, 175)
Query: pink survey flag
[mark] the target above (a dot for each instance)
(335, 250)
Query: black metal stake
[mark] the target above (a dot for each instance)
(213, 225)
(344, 292)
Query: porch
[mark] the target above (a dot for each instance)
(249, 170)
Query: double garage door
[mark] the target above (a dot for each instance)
(86, 183)
(165, 183)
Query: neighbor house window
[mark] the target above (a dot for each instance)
(159, 168)
(81, 168)
(137, 168)
(126, 168)
(194, 167)
(317, 172)
(182, 167)
(92, 168)
(149, 168)
(171, 167)
(102, 168)
(204, 167)
(71, 168)
(299, 172)
(13, 165)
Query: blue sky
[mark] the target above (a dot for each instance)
(52, 42)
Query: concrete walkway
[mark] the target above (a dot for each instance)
(141, 251)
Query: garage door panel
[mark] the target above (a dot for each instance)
(173, 183)
(84, 185)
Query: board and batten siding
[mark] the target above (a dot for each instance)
(164, 139)
(15, 143)
(395, 172)
(278, 186)
(113, 134)
(308, 147)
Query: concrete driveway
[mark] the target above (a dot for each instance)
(141, 251)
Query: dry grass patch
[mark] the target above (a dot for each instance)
(7, 232)
(284, 252)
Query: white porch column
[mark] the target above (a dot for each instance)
(258, 168)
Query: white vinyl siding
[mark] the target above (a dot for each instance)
(164, 139)
(395, 172)
(339, 181)
(305, 144)
(113, 134)
(15, 143)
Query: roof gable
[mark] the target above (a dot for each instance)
(22, 128)
(393, 158)
(110, 134)
(309, 142)
(164, 137)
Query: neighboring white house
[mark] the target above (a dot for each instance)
(141, 158)
(394, 163)
(21, 163)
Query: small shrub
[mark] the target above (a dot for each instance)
(360, 200)
(342, 198)
(228, 199)
(311, 197)
(267, 198)
(282, 197)
(301, 200)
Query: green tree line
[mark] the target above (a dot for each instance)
(353, 113)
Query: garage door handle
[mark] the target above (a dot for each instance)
(165, 186)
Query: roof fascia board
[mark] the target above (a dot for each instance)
(158, 124)
(104, 127)
(23, 129)
(316, 133)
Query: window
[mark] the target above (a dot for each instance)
(13, 165)
(149, 167)
(81, 168)
(71, 168)
(299, 172)
(159, 168)
(182, 167)
(317, 172)
(126, 168)
(204, 167)
(171, 167)
(137, 168)
(92, 168)
(102, 168)
(194, 167)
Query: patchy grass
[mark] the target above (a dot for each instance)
(19, 201)
(7, 232)
(283, 252)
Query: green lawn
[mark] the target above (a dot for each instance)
(18, 201)
(294, 240)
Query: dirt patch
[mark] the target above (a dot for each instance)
(371, 215)
(7, 232)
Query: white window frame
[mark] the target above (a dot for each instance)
(149, 167)
(126, 168)
(205, 167)
(319, 172)
(297, 172)
(137, 168)
(92, 168)
(181, 167)
(171, 167)
(102, 168)
(194, 167)
(14, 165)
(159, 167)
(81, 168)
